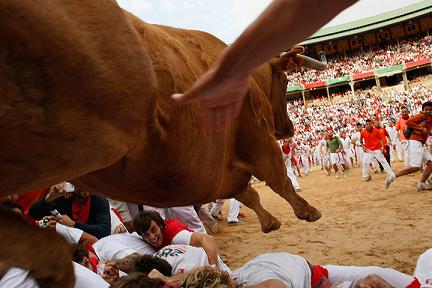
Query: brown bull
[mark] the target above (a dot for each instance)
(85, 92)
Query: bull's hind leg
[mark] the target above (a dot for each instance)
(44, 253)
(251, 199)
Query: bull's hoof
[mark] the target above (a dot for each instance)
(272, 225)
(310, 215)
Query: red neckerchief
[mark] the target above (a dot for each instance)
(318, 272)
(93, 259)
(81, 212)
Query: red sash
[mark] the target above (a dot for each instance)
(81, 212)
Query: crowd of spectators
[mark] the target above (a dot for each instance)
(366, 60)
(311, 119)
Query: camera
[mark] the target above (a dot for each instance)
(69, 187)
(43, 223)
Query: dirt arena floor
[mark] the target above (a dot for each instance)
(362, 223)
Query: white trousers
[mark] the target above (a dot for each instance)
(401, 149)
(359, 154)
(291, 174)
(369, 158)
(185, 214)
(305, 162)
(233, 210)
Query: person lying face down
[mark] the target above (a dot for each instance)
(293, 271)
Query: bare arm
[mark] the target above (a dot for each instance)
(221, 89)
(87, 238)
(208, 243)
(275, 30)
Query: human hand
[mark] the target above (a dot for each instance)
(220, 96)
(51, 222)
(155, 274)
(65, 220)
(120, 228)
(110, 273)
(56, 191)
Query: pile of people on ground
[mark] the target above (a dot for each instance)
(118, 244)
(367, 60)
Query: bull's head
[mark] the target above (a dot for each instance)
(279, 65)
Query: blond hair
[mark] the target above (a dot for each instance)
(208, 277)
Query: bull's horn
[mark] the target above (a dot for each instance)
(312, 63)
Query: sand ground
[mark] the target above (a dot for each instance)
(362, 223)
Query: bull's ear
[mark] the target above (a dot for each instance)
(287, 60)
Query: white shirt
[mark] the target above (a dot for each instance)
(393, 133)
(356, 137)
(84, 278)
(305, 149)
(182, 237)
(322, 147)
(120, 245)
(17, 278)
(346, 143)
(71, 234)
(292, 270)
(183, 258)
(350, 275)
(423, 271)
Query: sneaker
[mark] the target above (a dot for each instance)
(232, 223)
(337, 176)
(298, 190)
(366, 179)
(423, 186)
(389, 180)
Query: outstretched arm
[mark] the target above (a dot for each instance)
(206, 242)
(283, 24)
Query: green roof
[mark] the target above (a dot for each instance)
(371, 23)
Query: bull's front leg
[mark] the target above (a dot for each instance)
(45, 254)
(251, 199)
(265, 162)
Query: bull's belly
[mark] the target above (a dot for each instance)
(169, 190)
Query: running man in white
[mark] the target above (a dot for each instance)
(393, 134)
(373, 146)
(305, 152)
(324, 154)
(355, 139)
(286, 153)
(347, 148)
